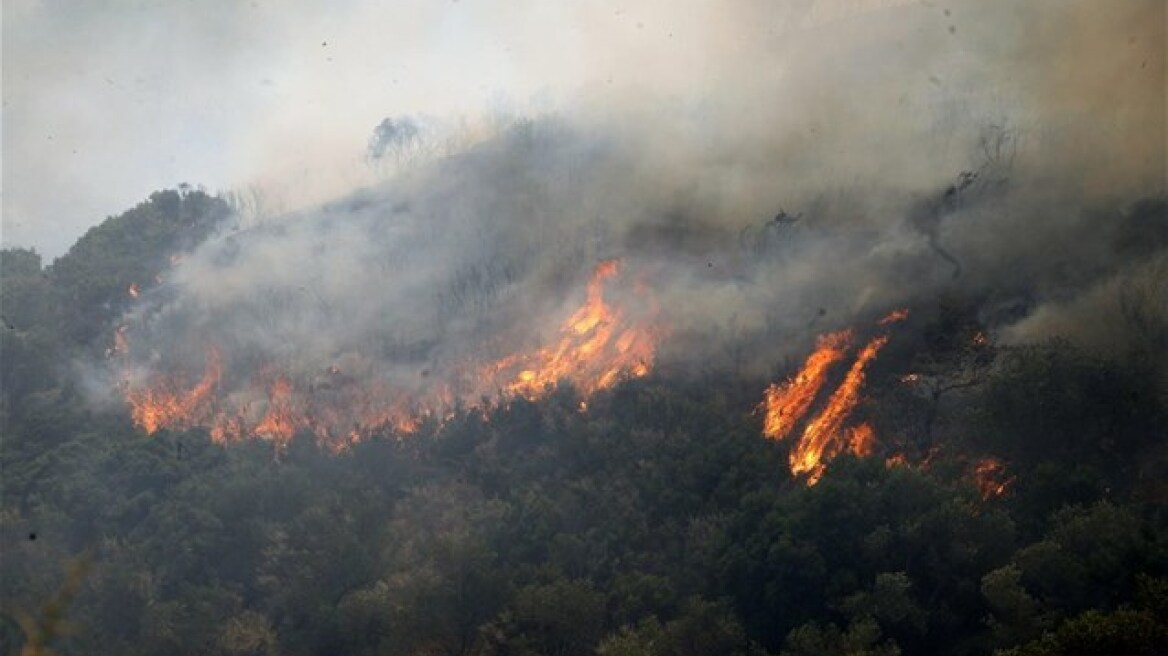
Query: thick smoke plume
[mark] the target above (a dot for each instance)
(824, 163)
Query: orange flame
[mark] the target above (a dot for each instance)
(821, 437)
(344, 416)
(989, 475)
(170, 406)
(282, 419)
(786, 404)
(598, 345)
(133, 291)
(862, 440)
(826, 435)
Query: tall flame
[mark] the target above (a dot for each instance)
(826, 435)
(823, 438)
(786, 404)
(862, 440)
(283, 418)
(597, 347)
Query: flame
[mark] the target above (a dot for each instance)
(827, 434)
(133, 290)
(169, 405)
(989, 475)
(901, 459)
(345, 413)
(282, 420)
(786, 404)
(821, 437)
(862, 440)
(597, 346)
(893, 317)
(896, 460)
(344, 416)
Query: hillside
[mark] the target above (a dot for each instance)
(1011, 498)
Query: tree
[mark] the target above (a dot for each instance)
(560, 618)
(396, 140)
(1119, 633)
(93, 278)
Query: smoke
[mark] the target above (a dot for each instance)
(795, 169)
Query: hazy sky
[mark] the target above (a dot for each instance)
(105, 102)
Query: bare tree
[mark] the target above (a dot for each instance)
(398, 141)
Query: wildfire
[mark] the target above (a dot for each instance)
(989, 474)
(786, 404)
(598, 345)
(896, 460)
(133, 290)
(826, 435)
(169, 405)
(282, 419)
(338, 417)
(901, 459)
(893, 317)
(821, 437)
(344, 413)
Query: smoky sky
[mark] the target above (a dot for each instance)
(769, 170)
(106, 102)
(778, 203)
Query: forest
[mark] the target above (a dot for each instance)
(1017, 507)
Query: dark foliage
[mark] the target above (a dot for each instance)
(657, 522)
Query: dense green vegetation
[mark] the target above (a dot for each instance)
(658, 522)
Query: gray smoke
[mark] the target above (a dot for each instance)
(871, 159)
